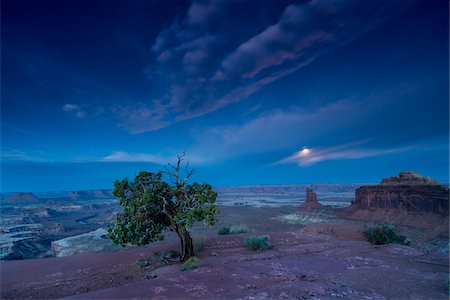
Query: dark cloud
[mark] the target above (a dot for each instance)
(221, 52)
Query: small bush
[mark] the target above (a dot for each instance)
(233, 229)
(224, 230)
(199, 243)
(384, 234)
(236, 229)
(191, 263)
(257, 243)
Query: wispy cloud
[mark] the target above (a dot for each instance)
(121, 156)
(208, 60)
(135, 118)
(16, 155)
(285, 130)
(310, 156)
(75, 110)
(277, 130)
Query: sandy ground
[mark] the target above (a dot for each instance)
(315, 262)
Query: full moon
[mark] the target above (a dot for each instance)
(305, 151)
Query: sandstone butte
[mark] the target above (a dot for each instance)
(408, 192)
(311, 201)
(21, 198)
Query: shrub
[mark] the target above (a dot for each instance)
(257, 243)
(199, 243)
(224, 230)
(236, 229)
(191, 263)
(384, 234)
(233, 229)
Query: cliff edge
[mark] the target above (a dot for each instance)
(408, 191)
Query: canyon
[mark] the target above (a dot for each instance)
(316, 231)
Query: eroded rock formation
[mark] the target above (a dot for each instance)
(311, 200)
(408, 191)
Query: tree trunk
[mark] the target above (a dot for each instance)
(187, 246)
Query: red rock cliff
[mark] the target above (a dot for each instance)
(408, 191)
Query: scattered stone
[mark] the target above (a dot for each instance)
(214, 254)
(159, 259)
(151, 276)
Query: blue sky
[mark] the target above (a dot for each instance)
(94, 91)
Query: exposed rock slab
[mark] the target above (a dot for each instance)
(93, 241)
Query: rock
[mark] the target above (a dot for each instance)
(86, 242)
(55, 228)
(20, 198)
(408, 192)
(408, 178)
(311, 200)
(90, 195)
(151, 276)
(18, 241)
(214, 254)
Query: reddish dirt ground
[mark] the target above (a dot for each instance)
(312, 263)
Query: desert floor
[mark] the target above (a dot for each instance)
(317, 261)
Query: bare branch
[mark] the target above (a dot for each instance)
(188, 174)
(174, 171)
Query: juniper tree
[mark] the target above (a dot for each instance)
(152, 205)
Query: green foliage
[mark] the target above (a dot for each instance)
(257, 243)
(151, 205)
(191, 263)
(141, 221)
(233, 229)
(224, 230)
(384, 234)
(199, 205)
(199, 243)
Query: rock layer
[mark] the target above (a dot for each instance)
(408, 191)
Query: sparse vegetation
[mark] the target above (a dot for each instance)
(257, 243)
(151, 205)
(191, 263)
(224, 230)
(233, 229)
(199, 243)
(384, 234)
